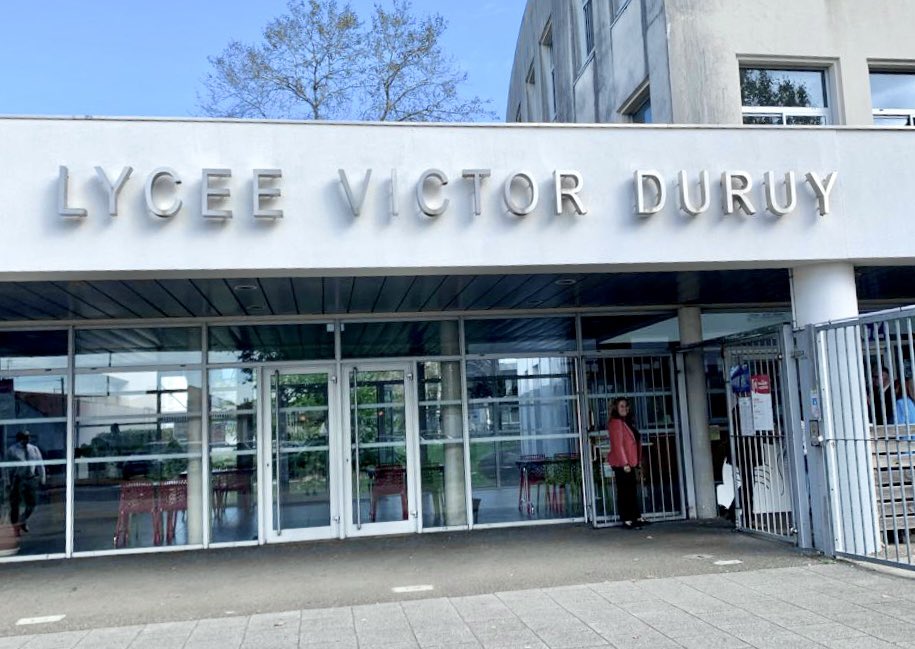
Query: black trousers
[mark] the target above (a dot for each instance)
(25, 490)
(627, 494)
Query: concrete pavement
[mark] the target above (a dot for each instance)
(670, 585)
(838, 606)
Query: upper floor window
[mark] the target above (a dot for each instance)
(642, 114)
(893, 98)
(587, 28)
(786, 97)
(549, 72)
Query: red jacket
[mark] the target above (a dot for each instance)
(624, 447)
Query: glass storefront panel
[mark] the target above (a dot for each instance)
(520, 335)
(525, 460)
(99, 348)
(233, 455)
(441, 444)
(301, 451)
(399, 339)
(138, 460)
(33, 469)
(631, 331)
(33, 350)
(265, 343)
(378, 446)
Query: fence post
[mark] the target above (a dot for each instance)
(796, 444)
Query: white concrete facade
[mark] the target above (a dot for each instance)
(869, 170)
(686, 55)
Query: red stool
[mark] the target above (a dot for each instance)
(172, 499)
(532, 472)
(137, 498)
(389, 480)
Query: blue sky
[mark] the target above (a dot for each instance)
(145, 58)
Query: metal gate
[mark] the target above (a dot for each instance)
(864, 380)
(647, 382)
(761, 392)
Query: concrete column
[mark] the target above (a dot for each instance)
(453, 428)
(697, 405)
(822, 293)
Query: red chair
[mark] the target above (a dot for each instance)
(172, 499)
(389, 480)
(236, 480)
(532, 472)
(137, 498)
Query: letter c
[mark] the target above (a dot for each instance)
(162, 212)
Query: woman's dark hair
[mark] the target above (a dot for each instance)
(614, 409)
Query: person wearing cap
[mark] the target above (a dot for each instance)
(27, 474)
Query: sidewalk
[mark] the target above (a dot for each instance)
(562, 586)
(822, 605)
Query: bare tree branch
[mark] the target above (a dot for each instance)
(317, 61)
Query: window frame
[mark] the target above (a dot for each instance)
(636, 102)
(548, 64)
(906, 113)
(825, 114)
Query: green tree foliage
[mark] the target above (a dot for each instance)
(319, 61)
(761, 88)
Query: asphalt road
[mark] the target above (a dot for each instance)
(176, 586)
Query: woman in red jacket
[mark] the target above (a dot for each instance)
(625, 457)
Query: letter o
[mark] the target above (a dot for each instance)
(510, 203)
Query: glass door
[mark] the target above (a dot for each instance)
(381, 449)
(300, 458)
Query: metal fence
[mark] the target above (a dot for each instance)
(865, 375)
(762, 465)
(647, 381)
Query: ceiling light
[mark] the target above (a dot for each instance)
(565, 281)
(245, 287)
(254, 308)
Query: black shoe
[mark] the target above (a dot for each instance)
(24, 527)
(629, 525)
(641, 522)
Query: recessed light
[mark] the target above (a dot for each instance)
(565, 281)
(255, 308)
(245, 287)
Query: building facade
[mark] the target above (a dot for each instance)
(226, 332)
(691, 62)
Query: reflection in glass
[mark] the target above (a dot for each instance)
(138, 459)
(390, 339)
(98, 348)
(441, 445)
(378, 446)
(524, 456)
(520, 335)
(233, 455)
(785, 88)
(33, 468)
(33, 350)
(301, 451)
(893, 90)
(260, 343)
(893, 120)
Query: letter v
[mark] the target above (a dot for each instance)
(354, 203)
